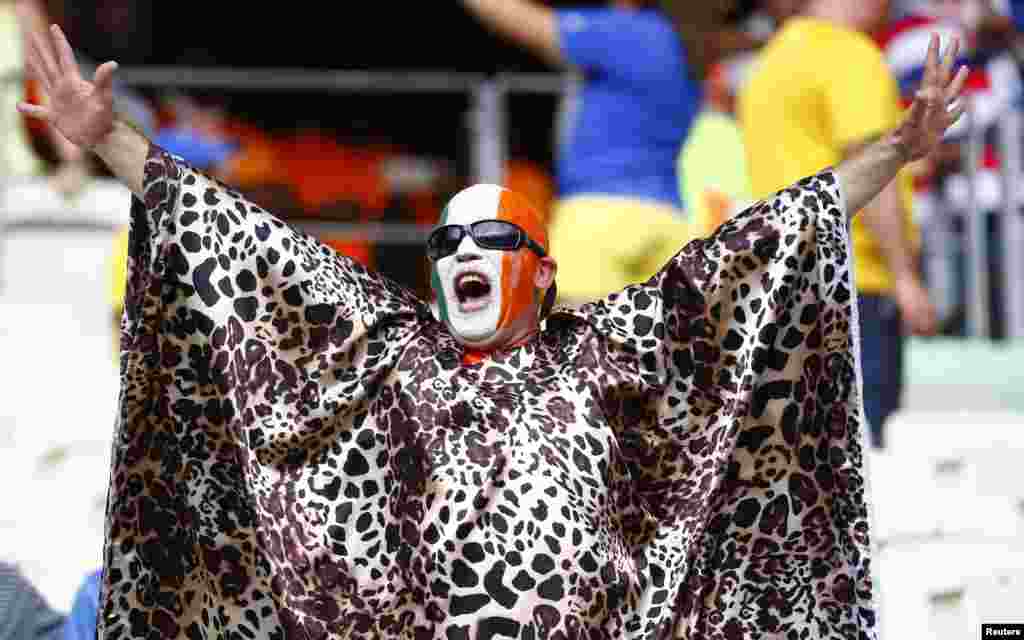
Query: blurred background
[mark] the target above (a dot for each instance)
(360, 126)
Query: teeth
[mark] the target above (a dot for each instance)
(470, 278)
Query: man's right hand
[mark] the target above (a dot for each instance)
(919, 315)
(79, 110)
(82, 111)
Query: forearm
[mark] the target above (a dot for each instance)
(729, 42)
(705, 35)
(866, 172)
(524, 22)
(124, 151)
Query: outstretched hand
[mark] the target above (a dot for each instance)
(936, 105)
(82, 111)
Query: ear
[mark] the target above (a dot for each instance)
(545, 275)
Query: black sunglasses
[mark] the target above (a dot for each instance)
(487, 234)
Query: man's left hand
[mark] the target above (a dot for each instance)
(936, 104)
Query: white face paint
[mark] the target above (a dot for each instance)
(470, 279)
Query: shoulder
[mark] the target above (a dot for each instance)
(656, 23)
(615, 21)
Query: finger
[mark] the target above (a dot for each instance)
(104, 77)
(931, 61)
(955, 113)
(34, 110)
(926, 323)
(35, 72)
(929, 103)
(65, 56)
(916, 111)
(932, 121)
(946, 71)
(44, 59)
(957, 85)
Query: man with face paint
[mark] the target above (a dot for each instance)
(490, 297)
(304, 451)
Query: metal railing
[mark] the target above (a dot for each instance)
(487, 123)
(978, 246)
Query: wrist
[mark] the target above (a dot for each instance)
(105, 139)
(905, 276)
(894, 147)
(124, 151)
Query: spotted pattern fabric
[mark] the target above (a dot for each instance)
(301, 453)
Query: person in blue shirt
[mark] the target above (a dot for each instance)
(81, 620)
(640, 67)
(24, 612)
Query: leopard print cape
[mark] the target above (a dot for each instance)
(300, 452)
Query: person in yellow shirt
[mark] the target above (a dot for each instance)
(712, 164)
(819, 91)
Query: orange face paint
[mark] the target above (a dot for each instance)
(519, 268)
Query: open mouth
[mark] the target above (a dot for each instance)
(473, 291)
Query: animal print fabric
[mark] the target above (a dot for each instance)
(301, 453)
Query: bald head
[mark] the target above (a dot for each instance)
(483, 201)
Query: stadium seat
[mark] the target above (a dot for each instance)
(916, 500)
(946, 589)
(942, 432)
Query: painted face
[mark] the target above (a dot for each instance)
(486, 296)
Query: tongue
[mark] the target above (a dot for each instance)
(474, 295)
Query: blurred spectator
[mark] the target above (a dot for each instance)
(713, 171)
(197, 131)
(942, 193)
(998, 25)
(798, 100)
(309, 173)
(253, 168)
(314, 173)
(81, 620)
(16, 155)
(994, 85)
(24, 613)
(712, 166)
(639, 68)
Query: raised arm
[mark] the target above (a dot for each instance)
(705, 34)
(83, 111)
(935, 108)
(528, 24)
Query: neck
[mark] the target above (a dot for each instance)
(840, 12)
(475, 355)
(522, 338)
